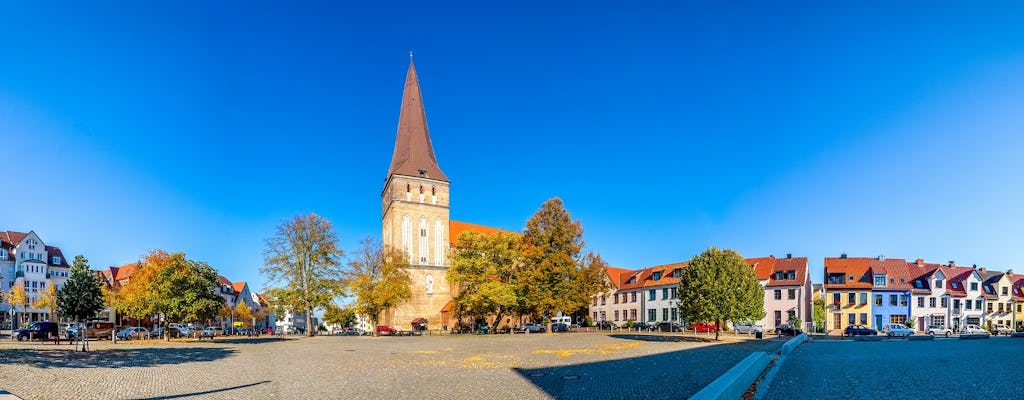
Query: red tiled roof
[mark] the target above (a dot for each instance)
(956, 275)
(239, 286)
(125, 271)
(11, 238)
(221, 280)
(856, 267)
(55, 251)
(784, 265)
(763, 267)
(455, 228)
(616, 275)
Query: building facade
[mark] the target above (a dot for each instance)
(28, 263)
(787, 291)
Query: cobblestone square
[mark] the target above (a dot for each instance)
(463, 366)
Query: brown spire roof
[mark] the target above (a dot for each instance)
(414, 155)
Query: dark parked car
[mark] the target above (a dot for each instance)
(38, 330)
(605, 325)
(643, 326)
(670, 327)
(533, 328)
(559, 327)
(787, 329)
(859, 330)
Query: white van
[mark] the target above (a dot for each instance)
(562, 320)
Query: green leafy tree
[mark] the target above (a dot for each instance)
(17, 298)
(302, 264)
(184, 290)
(335, 315)
(554, 276)
(483, 271)
(81, 298)
(719, 285)
(378, 279)
(819, 313)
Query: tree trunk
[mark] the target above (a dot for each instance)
(718, 327)
(309, 322)
(497, 321)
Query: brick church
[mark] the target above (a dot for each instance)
(415, 206)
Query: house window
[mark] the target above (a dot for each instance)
(851, 297)
(853, 318)
(656, 276)
(944, 302)
(633, 297)
(56, 261)
(616, 315)
(664, 314)
(778, 317)
(931, 302)
(968, 303)
(1005, 293)
(632, 314)
(791, 294)
(835, 298)
(892, 299)
(903, 300)
(792, 274)
(864, 298)
(595, 301)
(664, 294)
(616, 297)
(977, 304)
(918, 284)
(989, 306)
(880, 280)
(863, 318)
(603, 299)
(920, 302)
(897, 319)
(652, 314)
(778, 294)
(878, 299)
(675, 293)
(1019, 308)
(974, 285)
(938, 283)
(678, 272)
(675, 314)
(652, 295)
(3, 254)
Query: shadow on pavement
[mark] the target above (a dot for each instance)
(113, 358)
(205, 392)
(255, 340)
(664, 338)
(674, 374)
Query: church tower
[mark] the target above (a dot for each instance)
(415, 212)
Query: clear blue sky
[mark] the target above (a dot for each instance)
(666, 127)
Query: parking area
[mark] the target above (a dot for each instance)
(597, 365)
(899, 368)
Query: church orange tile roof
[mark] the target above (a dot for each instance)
(455, 228)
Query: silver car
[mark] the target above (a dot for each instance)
(748, 327)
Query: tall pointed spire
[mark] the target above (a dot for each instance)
(414, 155)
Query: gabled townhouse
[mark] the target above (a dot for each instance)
(966, 296)
(998, 297)
(930, 303)
(1017, 302)
(847, 289)
(787, 290)
(660, 297)
(890, 291)
(605, 305)
(27, 262)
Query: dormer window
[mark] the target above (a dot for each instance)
(851, 278)
(938, 283)
(656, 276)
(56, 260)
(954, 285)
(880, 280)
(792, 274)
(3, 254)
(988, 289)
(678, 272)
(918, 284)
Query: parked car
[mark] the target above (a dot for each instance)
(38, 330)
(972, 329)
(1000, 329)
(788, 330)
(938, 330)
(643, 326)
(533, 328)
(897, 330)
(185, 331)
(211, 331)
(133, 332)
(385, 330)
(92, 330)
(560, 327)
(605, 325)
(156, 332)
(670, 327)
(747, 327)
(859, 330)
(705, 327)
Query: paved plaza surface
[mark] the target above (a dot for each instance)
(574, 365)
(934, 369)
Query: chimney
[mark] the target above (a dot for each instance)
(982, 269)
(920, 262)
(789, 255)
(952, 263)
(842, 255)
(881, 257)
(1009, 271)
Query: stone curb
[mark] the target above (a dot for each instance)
(975, 336)
(769, 373)
(734, 382)
(867, 338)
(920, 337)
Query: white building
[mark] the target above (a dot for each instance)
(26, 261)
